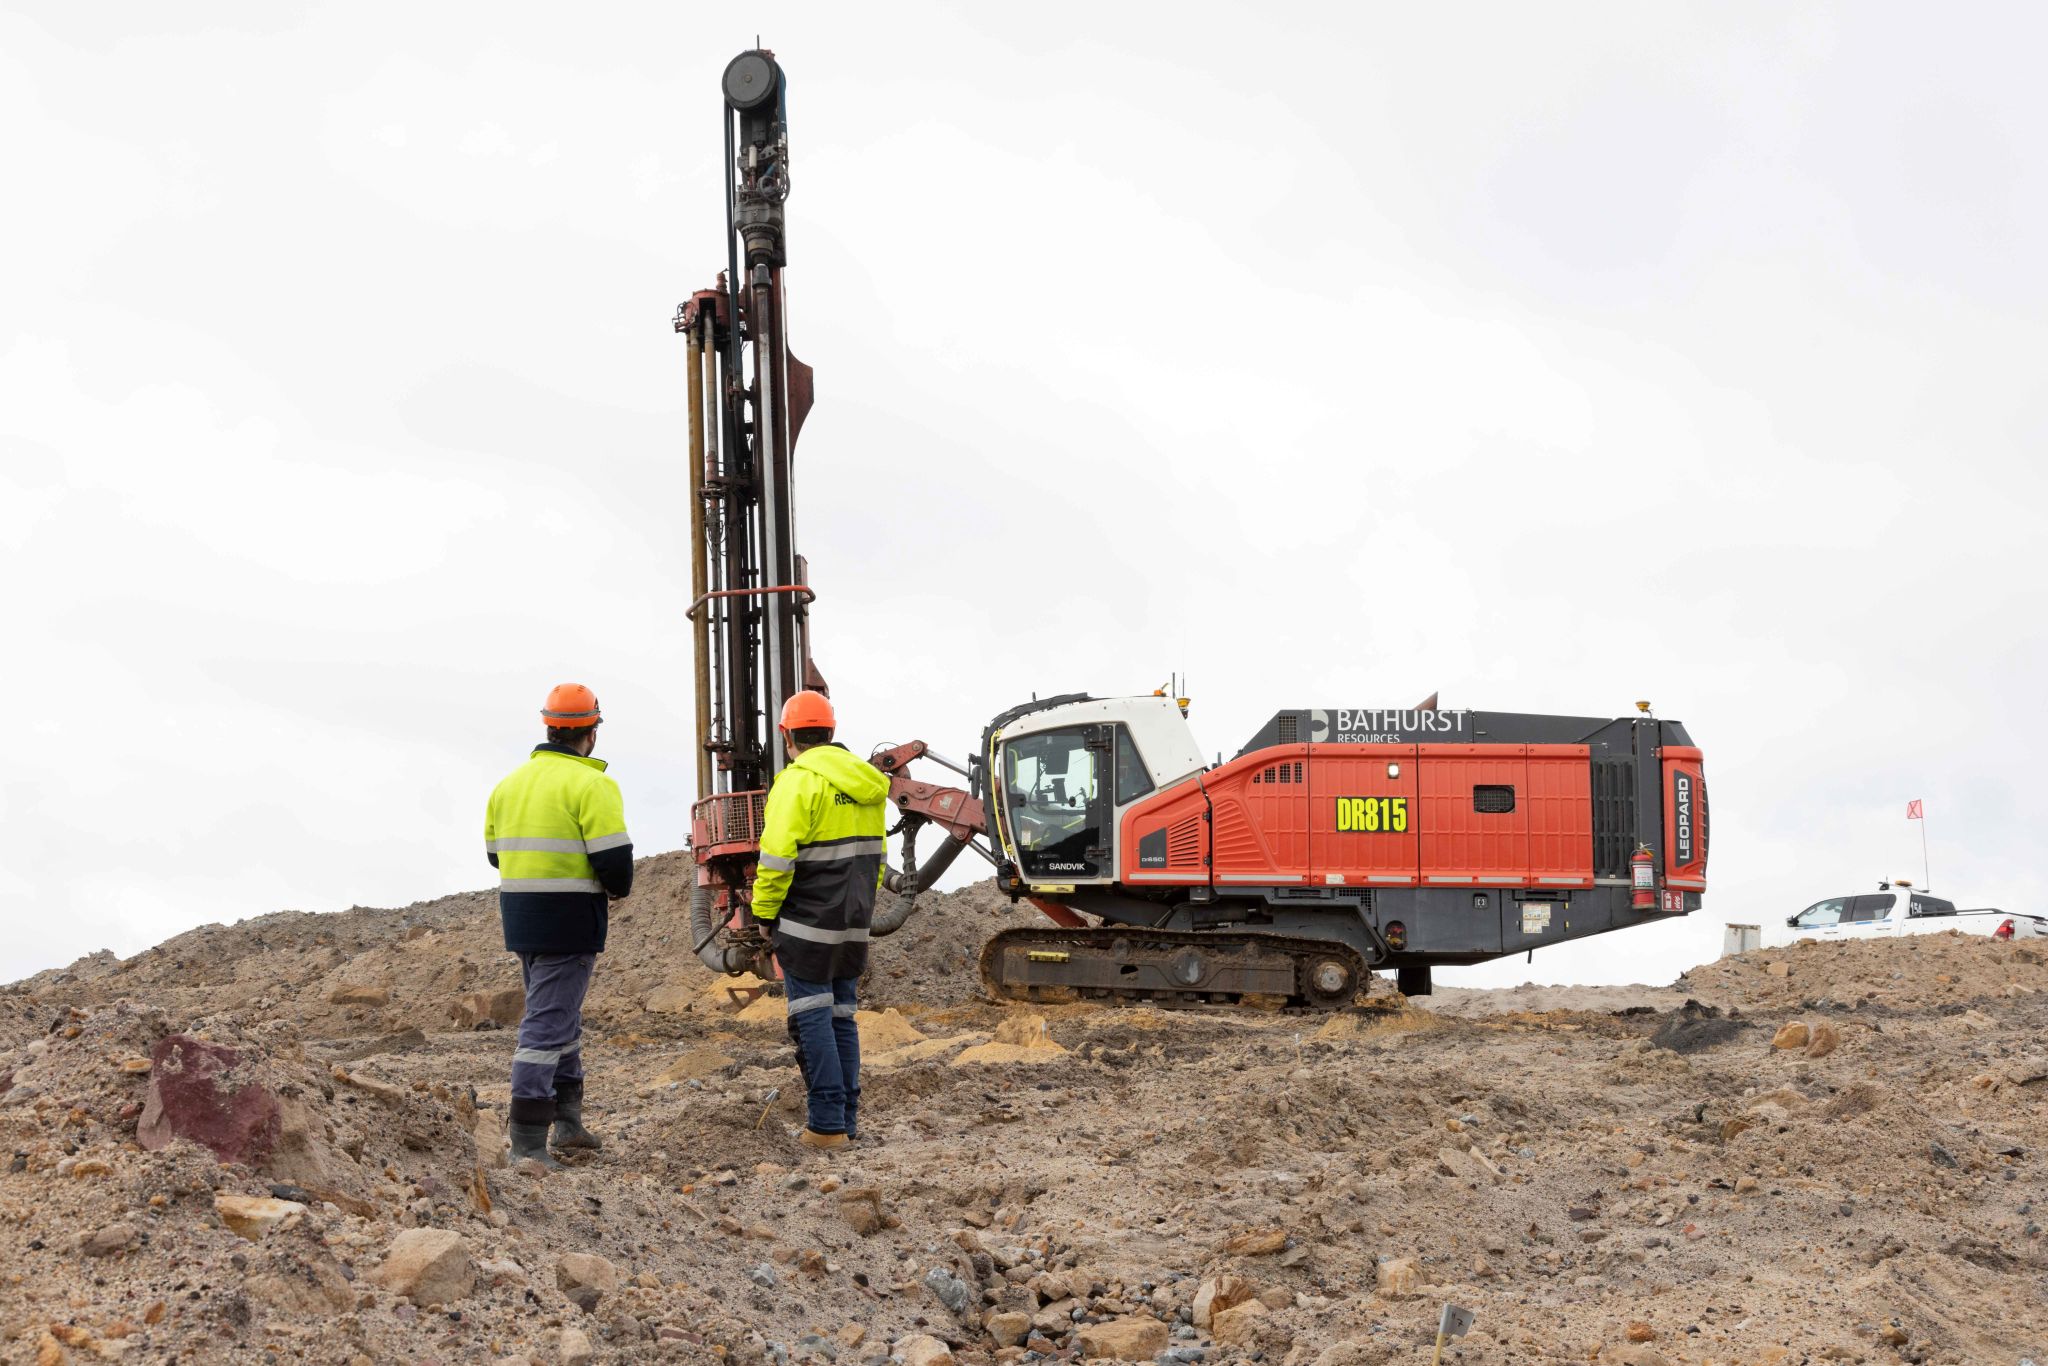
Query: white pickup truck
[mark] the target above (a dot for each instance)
(1896, 909)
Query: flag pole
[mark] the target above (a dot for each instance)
(1926, 878)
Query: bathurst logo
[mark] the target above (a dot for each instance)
(1682, 784)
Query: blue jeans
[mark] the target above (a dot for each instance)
(827, 1040)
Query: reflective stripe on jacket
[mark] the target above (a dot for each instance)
(821, 860)
(555, 829)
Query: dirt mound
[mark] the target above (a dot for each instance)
(281, 1140)
(1917, 972)
(938, 950)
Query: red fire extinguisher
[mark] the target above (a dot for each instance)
(1645, 866)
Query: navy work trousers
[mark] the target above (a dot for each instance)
(821, 1024)
(551, 1031)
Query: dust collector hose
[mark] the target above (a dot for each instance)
(890, 919)
(717, 957)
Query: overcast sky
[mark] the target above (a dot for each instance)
(1549, 357)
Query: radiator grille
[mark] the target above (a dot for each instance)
(1184, 842)
(1493, 799)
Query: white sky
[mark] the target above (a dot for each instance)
(1551, 358)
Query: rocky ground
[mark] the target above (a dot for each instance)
(282, 1140)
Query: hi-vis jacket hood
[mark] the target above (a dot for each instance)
(857, 778)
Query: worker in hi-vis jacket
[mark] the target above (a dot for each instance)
(821, 861)
(556, 832)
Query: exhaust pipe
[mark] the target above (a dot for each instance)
(906, 887)
(727, 959)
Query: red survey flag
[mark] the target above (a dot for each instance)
(1913, 811)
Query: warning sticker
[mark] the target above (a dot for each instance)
(1535, 919)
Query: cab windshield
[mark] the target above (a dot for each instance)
(1051, 789)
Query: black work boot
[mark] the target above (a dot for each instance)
(529, 1130)
(569, 1130)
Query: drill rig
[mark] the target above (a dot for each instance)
(1338, 841)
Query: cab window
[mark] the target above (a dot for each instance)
(1867, 909)
(1820, 915)
(1132, 779)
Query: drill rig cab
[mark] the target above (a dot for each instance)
(1067, 770)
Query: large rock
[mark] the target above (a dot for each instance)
(921, 1349)
(1792, 1034)
(575, 1347)
(427, 1266)
(501, 1007)
(1009, 1329)
(1823, 1040)
(209, 1095)
(1236, 1324)
(1137, 1338)
(1219, 1293)
(861, 1208)
(105, 1242)
(1397, 1278)
(1254, 1242)
(306, 1153)
(586, 1278)
(252, 1216)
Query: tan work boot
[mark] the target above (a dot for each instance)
(811, 1138)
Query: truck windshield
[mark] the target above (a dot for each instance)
(1052, 791)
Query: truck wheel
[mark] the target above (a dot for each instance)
(1412, 981)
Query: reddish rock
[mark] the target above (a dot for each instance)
(200, 1091)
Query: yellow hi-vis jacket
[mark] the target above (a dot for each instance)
(555, 829)
(821, 861)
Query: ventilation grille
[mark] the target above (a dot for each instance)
(1237, 845)
(1290, 729)
(1280, 773)
(1184, 842)
(1614, 816)
(1493, 799)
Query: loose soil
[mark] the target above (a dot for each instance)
(1612, 1174)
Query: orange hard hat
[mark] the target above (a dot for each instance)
(808, 710)
(570, 706)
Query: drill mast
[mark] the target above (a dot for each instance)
(748, 401)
